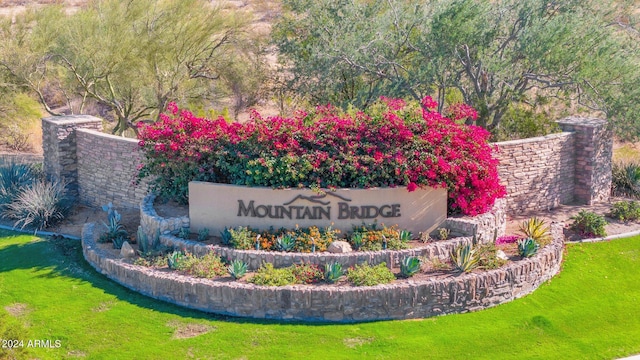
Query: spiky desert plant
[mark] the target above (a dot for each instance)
(40, 204)
(465, 258)
(237, 269)
(527, 247)
(410, 266)
(536, 229)
(286, 243)
(333, 272)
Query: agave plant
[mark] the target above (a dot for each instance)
(465, 258)
(405, 235)
(237, 269)
(115, 229)
(410, 266)
(535, 228)
(225, 236)
(118, 242)
(203, 234)
(146, 244)
(527, 247)
(285, 243)
(333, 272)
(14, 177)
(357, 240)
(175, 259)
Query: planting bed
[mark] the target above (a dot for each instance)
(423, 296)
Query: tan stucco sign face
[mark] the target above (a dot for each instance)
(216, 206)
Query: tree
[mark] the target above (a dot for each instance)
(137, 56)
(492, 54)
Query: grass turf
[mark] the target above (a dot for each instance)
(47, 292)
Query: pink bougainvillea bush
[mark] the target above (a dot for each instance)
(390, 144)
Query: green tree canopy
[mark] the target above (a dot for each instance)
(489, 54)
(133, 56)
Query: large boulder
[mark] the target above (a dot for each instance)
(339, 247)
(127, 251)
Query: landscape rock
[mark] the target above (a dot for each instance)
(501, 255)
(339, 247)
(127, 251)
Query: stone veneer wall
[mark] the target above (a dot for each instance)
(538, 172)
(400, 300)
(543, 172)
(107, 169)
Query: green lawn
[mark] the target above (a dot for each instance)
(590, 311)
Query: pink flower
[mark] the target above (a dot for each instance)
(412, 187)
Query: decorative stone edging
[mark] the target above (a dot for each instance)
(255, 258)
(400, 300)
(153, 224)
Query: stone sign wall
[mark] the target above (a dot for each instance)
(539, 173)
(216, 206)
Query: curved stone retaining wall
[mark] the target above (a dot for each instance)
(255, 258)
(152, 224)
(400, 300)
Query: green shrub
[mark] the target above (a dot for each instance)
(626, 210)
(410, 266)
(370, 238)
(243, 238)
(366, 275)
(443, 233)
(625, 179)
(207, 266)
(237, 269)
(175, 259)
(307, 273)
(225, 236)
(465, 258)
(333, 272)
(269, 276)
(527, 247)
(184, 233)
(521, 123)
(203, 234)
(487, 257)
(40, 205)
(589, 224)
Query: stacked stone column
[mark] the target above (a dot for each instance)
(593, 153)
(60, 144)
